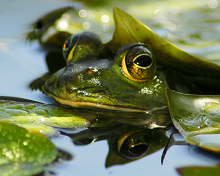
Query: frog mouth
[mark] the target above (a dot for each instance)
(87, 105)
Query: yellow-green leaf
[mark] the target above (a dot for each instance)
(129, 30)
(19, 145)
(197, 118)
(39, 113)
(40, 128)
(18, 169)
(199, 171)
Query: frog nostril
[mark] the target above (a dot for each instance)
(90, 72)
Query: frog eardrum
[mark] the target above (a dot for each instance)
(138, 63)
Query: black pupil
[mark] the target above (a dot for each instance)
(68, 42)
(143, 61)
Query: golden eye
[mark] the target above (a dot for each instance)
(69, 46)
(138, 64)
(83, 46)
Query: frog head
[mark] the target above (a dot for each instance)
(128, 79)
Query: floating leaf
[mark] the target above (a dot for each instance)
(17, 146)
(18, 169)
(44, 129)
(199, 171)
(129, 30)
(197, 118)
(39, 113)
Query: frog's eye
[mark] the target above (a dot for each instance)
(69, 46)
(138, 64)
(83, 46)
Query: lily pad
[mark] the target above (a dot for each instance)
(17, 146)
(197, 118)
(129, 30)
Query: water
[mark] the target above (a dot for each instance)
(20, 63)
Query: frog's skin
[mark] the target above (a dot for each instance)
(94, 77)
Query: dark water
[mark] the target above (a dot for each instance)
(193, 25)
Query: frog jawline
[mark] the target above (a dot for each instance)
(76, 104)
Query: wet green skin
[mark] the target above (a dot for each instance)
(106, 87)
(99, 82)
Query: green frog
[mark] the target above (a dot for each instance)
(126, 80)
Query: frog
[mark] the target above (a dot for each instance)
(127, 80)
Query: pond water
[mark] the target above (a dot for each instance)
(194, 26)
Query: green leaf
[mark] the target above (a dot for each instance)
(40, 117)
(197, 118)
(129, 30)
(17, 146)
(18, 169)
(44, 129)
(199, 171)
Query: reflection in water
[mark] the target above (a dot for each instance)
(126, 143)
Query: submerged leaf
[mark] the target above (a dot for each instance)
(197, 118)
(129, 30)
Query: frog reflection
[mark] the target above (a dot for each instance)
(128, 80)
(126, 143)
